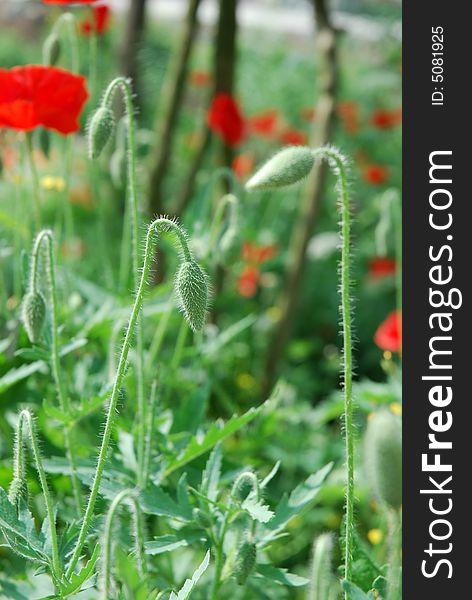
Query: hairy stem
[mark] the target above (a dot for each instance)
(156, 226)
(45, 237)
(130, 497)
(35, 181)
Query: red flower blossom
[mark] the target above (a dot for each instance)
(308, 114)
(99, 22)
(36, 95)
(389, 333)
(385, 119)
(381, 266)
(225, 119)
(264, 123)
(375, 174)
(248, 281)
(348, 112)
(243, 164)
(293, 137)
(200, 78)
(257, 255)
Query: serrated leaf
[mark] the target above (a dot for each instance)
(301, 496)
(154, 501)
(215, 434)
(211, 474)
(189, 584)
(257, 509)
(164, 543)
(280, 576)
(78, 579)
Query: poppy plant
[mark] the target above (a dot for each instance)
(225, 119)
(99, 22)
(35, 95)
(265, 123)
(381, 266)
(257, 254)
(375, 174)
(389, 333)
(248, 281)
(385, 119)
(293, 137)
(243, 165)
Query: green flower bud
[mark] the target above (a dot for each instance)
(288, 166)
(51, 49)
(100, 129)
(33, 315)
(383, 457)
(191, 286)
(244, 485)
(245, 561)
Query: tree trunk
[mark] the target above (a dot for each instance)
(132, 40)
(173, 94)
(305, 224)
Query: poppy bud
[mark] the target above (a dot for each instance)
(288, 166)
(17, 491)
(383, 457)
(51, 49)
(33, 315)
(100, 129)
(243, 486)
(245, 561)
(191, 286)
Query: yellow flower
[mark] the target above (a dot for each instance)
(51, 183)
(396, 408)
(246, 381)
(375, 536)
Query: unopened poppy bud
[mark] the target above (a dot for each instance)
(33, 315)
(191, 286)
(243, 486)
(288, 166)
(51, 49)
(245, 561)
(383, 457)
(100, 130)
(17, 491)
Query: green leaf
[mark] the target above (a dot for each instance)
(354, 592)
(196, 447)
(189, 584)
(154, 501)
(215, 345)
(280, 576)
(300, 497)
(211, 474)
(164, 543)
(77, 580)
(257, 509)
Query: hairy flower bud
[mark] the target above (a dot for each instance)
(100, 129)
(51, 49)
(288, 166)
(243, 486)
(245, 561)
(33, 315)
(383, 457)
(191, 286)
(17, 491)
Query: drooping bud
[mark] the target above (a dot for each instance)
(33, 315)
(191, 286)
(100, 129)
(383, 457)
(245, 561)
(51, 49)
(244, 485)
(288, 166)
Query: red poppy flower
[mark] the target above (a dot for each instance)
(381, 266)
(264, 123)
(36, 95)
(257, 254)
(243, 164)
(389, 333)
(99, 22)
(375, 174)
(293, 137)
(248, 281)
(385, 119)
(225, 119)
(200, 78)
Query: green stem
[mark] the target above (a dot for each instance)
(227, 200)
(25, 415)
(158, 225)
(337, 163)
(149, 430)
(219, 560)
(123, 84)
(45, 236)
(130, 497)
(70, 23)
(35, 180)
